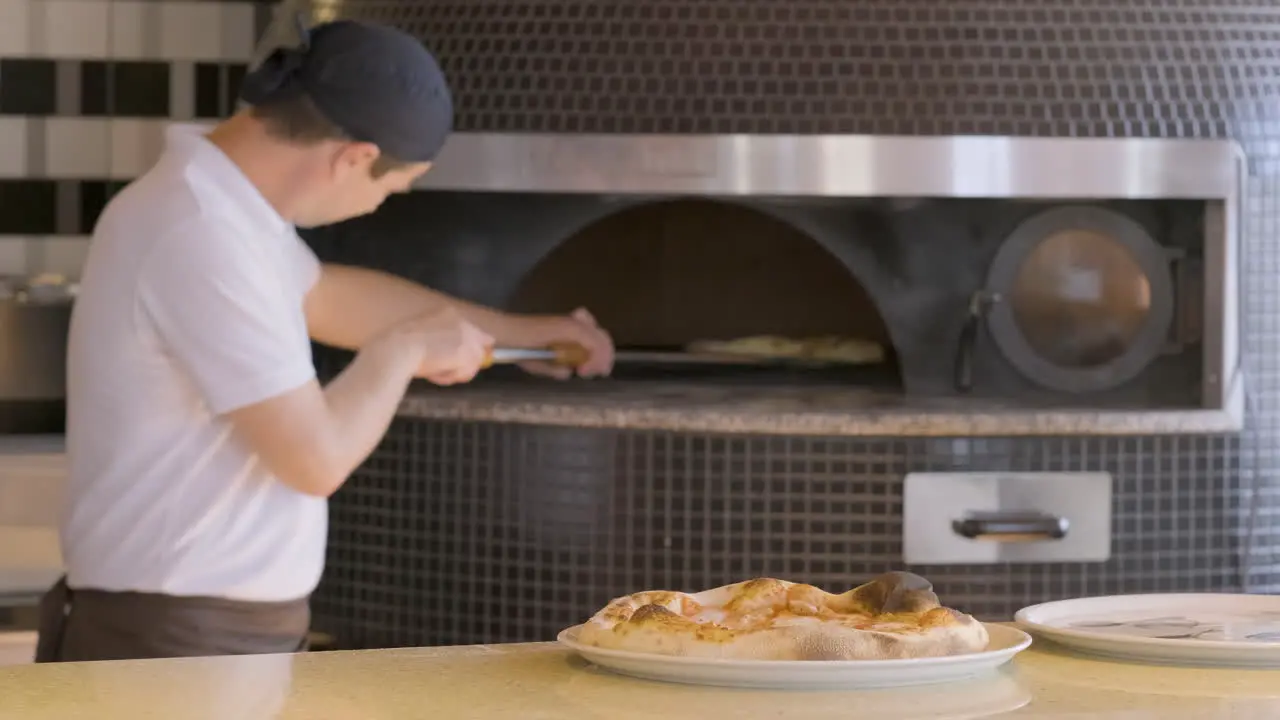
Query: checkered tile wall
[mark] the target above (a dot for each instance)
(86, 87)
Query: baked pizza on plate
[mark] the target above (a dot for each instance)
(894, 616)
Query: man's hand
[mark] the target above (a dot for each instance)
(352, 307)
(445, 348)
(578, 327)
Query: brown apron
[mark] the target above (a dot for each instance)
(83, 624)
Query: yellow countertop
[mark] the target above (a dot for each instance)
(544, 682)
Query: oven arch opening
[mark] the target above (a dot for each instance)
(667, 273)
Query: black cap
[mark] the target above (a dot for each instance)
(376, 83)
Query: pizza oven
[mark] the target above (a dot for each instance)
(1050, 223)
(1062, 285)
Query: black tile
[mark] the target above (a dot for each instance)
(218, 88)
(95, 88)
(867, 67)
(94, 196)
(27, 207)
(208, 90)
(140, 89)
(235, 78)
(27, 87)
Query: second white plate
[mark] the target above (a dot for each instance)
(806, 674)
(1185, 629)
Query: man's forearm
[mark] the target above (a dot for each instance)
(372, 301)
(362, 402)
(311, 438)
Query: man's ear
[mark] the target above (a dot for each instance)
(355, 156)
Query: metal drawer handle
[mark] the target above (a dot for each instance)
(1014, 526)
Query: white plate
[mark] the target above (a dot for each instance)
(806, 674)
(1183, 629)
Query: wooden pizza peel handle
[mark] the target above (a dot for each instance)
(570, 355)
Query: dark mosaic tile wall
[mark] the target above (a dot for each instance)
(470, 532)
(459, 532)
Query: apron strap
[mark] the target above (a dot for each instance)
(55, 606)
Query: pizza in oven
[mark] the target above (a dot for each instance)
(894, 616)
(827, 348)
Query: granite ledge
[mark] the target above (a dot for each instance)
(543, 680)
(790, 412)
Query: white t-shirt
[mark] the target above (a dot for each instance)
(190, 305)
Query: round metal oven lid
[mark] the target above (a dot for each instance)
(1086, 299)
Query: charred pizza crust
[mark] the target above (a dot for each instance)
(894, 616)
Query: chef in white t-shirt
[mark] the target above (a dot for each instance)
(202, 448)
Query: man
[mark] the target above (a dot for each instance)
(202, 450)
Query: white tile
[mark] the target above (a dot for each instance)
(62, 255)
(191, 30)
(14, 139)
(135, 146)
(182, 90)
(77, 147)
(13, 255)
(15, 25)
(128, 29)
(75, 28)
(31, 493)
(238, 34)
(28, 548)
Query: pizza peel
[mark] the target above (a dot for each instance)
(572, 355)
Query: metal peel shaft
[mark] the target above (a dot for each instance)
(573, 355)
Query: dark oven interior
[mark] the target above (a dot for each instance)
(1012, 303)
